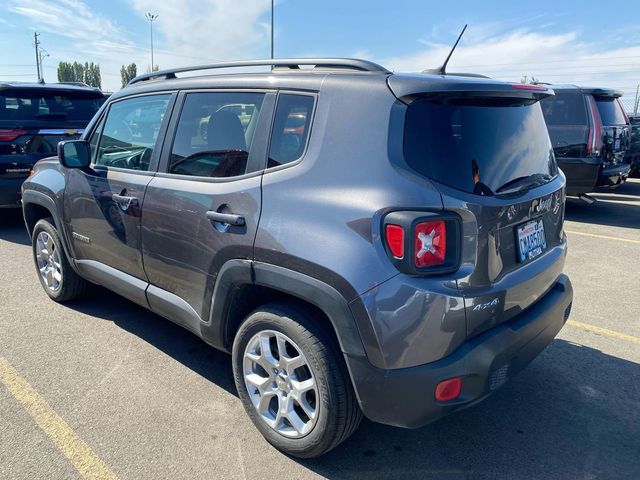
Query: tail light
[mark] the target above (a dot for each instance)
(594, 141)
(448, 389)
(423, 243)
(8, 135)
(430, 243)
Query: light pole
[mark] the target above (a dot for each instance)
(272, 1)
(151, 17)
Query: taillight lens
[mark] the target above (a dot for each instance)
(448, 389)
(395, 240)
(594, 141)
(422, 242)
(430, 240)
(8, 135)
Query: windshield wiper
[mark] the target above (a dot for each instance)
(527, 181)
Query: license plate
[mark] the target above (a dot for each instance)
(531, 240)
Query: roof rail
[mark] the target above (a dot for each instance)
(77, 84)
(286, 63)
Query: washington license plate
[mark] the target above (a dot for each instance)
(531, 240)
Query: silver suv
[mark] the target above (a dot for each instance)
(361, 242)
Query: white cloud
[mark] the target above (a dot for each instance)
(208, 30)
(553, 58)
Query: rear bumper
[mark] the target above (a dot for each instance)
(582, 174)
(614, 176)
(405, 397)
(10, 192)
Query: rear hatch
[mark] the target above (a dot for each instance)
(33, 121)
(485, 144)
(616, 131)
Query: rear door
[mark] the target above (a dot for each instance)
(103, 204)
(495, 166)
(203, 207)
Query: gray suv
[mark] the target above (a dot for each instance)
(361, 242)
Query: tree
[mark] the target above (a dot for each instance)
(155, 68)
(88, 73)
(66, 72)
(531, 79)
(92, 75)
(128, 73)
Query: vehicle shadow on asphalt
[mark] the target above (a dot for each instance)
(573, 413)
(12, 227)
(163, 334)
(609, 209)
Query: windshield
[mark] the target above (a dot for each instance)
(483, 146)
(26, 107)
(610, 111)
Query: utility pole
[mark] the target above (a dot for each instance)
(151, 17)
(637, 100)
(36, 43)
(272, 1)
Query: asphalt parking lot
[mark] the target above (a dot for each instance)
(106, 385)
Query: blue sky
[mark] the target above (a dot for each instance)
(554, 41)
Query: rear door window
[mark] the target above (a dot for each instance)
(610, 110)
(564, 109)
(486, 147)
(291, 128)
(215, 133)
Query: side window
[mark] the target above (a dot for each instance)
(130, 132)
(214, 134)
(95, 137)
(290, 128)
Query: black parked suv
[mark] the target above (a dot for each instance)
(397, 251)
(634, 144)
(590, 134)
(34, 117)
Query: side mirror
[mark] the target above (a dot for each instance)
(74, 153)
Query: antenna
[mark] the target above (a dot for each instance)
(443, 69)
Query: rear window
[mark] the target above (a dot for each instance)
(22, 106)
(564, 109)
(610, 111)
(483, 147)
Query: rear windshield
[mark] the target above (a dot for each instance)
(29, 106)
(485, 147)
(610, 111)
(564, 109)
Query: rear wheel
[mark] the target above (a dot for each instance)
(292, 382)
(56, 276)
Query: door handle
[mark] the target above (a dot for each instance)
(123, 201)
(226, 218)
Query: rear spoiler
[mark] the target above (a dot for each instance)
(408, 88)
(603, 92)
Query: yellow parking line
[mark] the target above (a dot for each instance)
(605, 331)
(79, 454)
(606, 237)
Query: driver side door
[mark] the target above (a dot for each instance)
(103, 204)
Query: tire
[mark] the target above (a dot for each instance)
(337, 414)
(65, 283)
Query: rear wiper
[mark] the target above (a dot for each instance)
(521, 183)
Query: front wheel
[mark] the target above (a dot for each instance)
(56, 276)
(293, 382)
